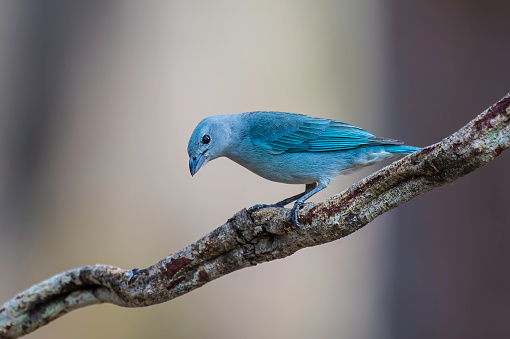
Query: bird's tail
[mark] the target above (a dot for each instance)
(402, 149)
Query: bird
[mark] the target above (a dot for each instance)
(289, 148)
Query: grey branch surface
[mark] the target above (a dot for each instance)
(248, 239)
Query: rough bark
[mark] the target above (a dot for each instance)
(248, 239)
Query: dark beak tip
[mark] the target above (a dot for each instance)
(195, 163)
(192, 167)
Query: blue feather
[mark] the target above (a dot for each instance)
(277, 133)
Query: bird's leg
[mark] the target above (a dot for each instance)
(287, 201)
(300, 201)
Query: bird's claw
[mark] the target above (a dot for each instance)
(259, 206)
(133, 273)
(294, 216)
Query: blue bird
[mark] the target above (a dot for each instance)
(289, 148)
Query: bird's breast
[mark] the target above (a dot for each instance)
(286, 168)
(307, 167)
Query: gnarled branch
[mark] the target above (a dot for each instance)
(248, 239)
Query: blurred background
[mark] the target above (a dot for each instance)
(98, 100)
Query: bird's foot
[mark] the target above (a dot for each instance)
(133, 273)
(294, 217)
(259, 206)
(293, 212)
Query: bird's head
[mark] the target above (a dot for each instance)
(209, 140)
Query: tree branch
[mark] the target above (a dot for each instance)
(248, 239)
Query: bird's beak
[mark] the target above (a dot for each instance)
(195, 163)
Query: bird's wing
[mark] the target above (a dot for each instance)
(278, 133)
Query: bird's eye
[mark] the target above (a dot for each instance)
(206, 139)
